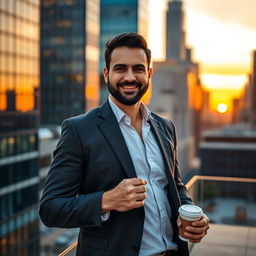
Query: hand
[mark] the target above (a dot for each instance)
(197, 231)
(127, 195)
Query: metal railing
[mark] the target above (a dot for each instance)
(189, 187)
(69, 249)
(217, 178)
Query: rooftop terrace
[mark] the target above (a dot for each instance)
(231, 204)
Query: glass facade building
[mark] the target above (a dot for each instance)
(19, 89)
(69, 58)
(116, 17)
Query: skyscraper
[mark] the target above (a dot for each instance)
(175, 34)
(69, 58)
(116, 17)
(19, 81)
(176, 91)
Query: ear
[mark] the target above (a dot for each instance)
(150, 72)
(105, 73)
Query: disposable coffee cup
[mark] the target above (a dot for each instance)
(188, 213)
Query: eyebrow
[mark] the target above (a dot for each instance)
(134, 66)
(139, 66)
(120, 65)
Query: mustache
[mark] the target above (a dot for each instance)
(129, 83)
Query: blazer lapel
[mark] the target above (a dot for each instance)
(168, 159)
(110, 129)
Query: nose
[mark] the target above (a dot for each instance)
(129, 76)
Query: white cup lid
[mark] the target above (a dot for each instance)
(190, 210)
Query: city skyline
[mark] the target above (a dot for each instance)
(223, 73)
(217, 35)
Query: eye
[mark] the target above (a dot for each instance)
(139, 69)
(119, 68)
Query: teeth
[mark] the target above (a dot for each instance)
(129, 87)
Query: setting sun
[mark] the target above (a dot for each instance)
(222, 108)
(221, 38)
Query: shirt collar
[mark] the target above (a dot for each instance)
(119, 114)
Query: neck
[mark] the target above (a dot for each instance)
(132, 111)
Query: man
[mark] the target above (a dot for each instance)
(115, 172)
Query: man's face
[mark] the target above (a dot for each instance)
(128, 75)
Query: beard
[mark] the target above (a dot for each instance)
(125, 97)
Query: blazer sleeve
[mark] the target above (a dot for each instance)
(61, 205)
(183, 193)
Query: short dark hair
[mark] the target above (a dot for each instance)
(131, 40)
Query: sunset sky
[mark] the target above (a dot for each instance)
(222, 34)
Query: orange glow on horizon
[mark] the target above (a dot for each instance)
(222, 40)
(223, 96)
(223, 89)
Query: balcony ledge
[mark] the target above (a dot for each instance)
(226, 240)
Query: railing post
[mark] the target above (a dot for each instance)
(201, 193)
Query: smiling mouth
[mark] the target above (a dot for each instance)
(129, 86)
(129, 89)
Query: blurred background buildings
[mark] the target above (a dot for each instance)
(252, 92)
(229, 151)
(117, 17)
(19, 120)
(69, 51)
(51, 62)
(176, 82)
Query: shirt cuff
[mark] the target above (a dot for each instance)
(105, 216)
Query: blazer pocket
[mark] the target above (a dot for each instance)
(95, 242)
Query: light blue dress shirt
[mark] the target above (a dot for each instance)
(148, 162)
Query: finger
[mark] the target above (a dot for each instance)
(140, 189)
(138, 181)
(141, 196)
(200, 223)
(196, 230)
(195, 241)
(138, 204)
(191, 236)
